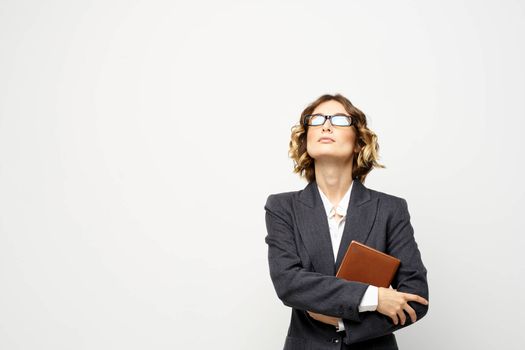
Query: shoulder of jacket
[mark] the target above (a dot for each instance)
(389, 201)
(281, 200)
(280, 205)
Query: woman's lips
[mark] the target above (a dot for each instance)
(326, 140)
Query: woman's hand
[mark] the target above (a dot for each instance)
(393, 304)
(334, 321)
(390, 303)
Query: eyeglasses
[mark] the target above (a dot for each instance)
(335, 120)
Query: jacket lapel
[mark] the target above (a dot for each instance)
(360, 217)
(314, 230)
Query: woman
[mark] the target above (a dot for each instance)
(310, 230)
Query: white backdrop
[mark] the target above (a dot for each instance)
(139, 141)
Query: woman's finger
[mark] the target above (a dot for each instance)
(411, 312)
(415, 297)
(402, 316)
(393, 316)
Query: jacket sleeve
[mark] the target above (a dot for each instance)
(411, 277)
(297, 287)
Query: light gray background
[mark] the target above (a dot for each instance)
(139, 141)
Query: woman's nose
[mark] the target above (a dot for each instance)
(327, 124)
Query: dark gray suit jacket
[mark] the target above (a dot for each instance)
(302, 266)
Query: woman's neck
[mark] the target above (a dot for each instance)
(334, 179)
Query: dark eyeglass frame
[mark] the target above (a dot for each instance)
(329, 117)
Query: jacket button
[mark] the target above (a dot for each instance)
(334, 340)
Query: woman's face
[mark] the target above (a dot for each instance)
(344, 136)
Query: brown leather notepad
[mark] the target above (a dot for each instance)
(368, 265)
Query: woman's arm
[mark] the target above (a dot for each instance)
(411, 277)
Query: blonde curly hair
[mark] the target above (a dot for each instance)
(367, 158)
